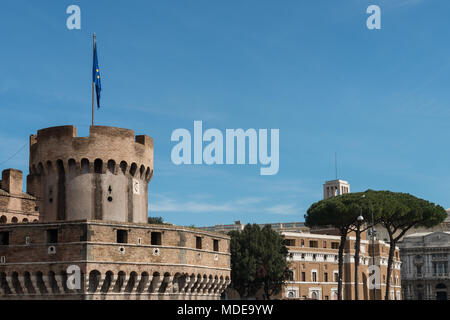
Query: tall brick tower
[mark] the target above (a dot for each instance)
(92, 240)
(104, 176)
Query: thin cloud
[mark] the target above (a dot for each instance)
(163, 203)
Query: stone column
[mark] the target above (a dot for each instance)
(169, 281)
(208, 286)
(136, 284)
(157, 284)
(124, 283)
(147, 284)
(10, 284)
(47, 282)
(112, 282)
(183, 289)
(60, 282)
(218, 285)
(34, 282)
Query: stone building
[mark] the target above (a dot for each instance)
(313, 265)
(425, 272)
(313, 259)
(16, 205)
(92, 240)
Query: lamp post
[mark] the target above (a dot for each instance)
(359, 221)
(372, 234)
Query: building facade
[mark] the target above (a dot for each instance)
(92, 240)
(313, 267)
(425, 268)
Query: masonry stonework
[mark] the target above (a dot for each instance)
(92, 195)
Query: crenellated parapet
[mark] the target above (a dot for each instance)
(104, 176)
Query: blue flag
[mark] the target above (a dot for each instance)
(96, 77)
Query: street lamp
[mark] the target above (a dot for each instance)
(372, 235)
(359, 221)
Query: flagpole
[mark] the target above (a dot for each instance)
(93, 83)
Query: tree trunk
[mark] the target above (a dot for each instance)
(392, 243)
(341, 261)
(357, 247)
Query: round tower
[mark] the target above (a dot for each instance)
(101, 177)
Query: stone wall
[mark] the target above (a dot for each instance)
(32, 267)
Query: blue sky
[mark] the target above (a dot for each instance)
(312, 69)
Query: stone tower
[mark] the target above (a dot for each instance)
(93, 240)
(101, 177)
(335, 187)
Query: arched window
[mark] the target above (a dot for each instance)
(98, 166)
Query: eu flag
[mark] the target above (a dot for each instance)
(96, 77)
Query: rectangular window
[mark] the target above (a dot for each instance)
(335, 245)
(216, 245)
(156, 238)
(198, 242)
(325, 277)
(336, 277)
(122, 236)
(313, 244)
(289, 242)
(324, 243)
(4, 238)
(314, 276)
(52, 236)
(303, 276)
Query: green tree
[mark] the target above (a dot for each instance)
(340, 212)
(399, 213)
(396, 212)
(258, 260)
(155, 220)
(273, 269)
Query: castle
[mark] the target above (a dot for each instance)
(81, 232)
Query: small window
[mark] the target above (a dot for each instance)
(216, 245)
(289, 242)
(302, 242)
(313, 244)
(336, 277)
(314, 276)
(156, 238)
(52, 236)
(291, 275)
(324, 243)
(198, 242)
(335, 245)
(303, 276)
(122, 236)
(4, 238)
(325, 277)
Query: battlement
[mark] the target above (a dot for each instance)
(104, 143)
